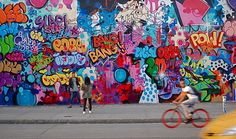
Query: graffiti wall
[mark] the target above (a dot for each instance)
(134, 51)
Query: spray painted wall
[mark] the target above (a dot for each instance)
(134, 51)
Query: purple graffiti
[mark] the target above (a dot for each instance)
(232, 4)
(51, 24)
(10, 80)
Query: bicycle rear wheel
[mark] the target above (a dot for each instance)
(171, 118)
(200, 118)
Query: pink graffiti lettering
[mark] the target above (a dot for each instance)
(15, 56)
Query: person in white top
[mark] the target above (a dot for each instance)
(188, 92)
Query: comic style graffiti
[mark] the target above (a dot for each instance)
(133, 51)
(105, 46)
(205, 42)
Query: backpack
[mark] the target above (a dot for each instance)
(196, 92)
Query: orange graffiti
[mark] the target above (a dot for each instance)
(205, 41)
(7, 66)
(13, 13)
(71, 45)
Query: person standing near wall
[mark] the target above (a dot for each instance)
(87, 94)
(74, 89)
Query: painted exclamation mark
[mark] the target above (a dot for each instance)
(220, 38)
(122, 48)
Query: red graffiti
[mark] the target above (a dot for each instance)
(106, 41)
(13, 13)
(46, 50)
(148, 40)
(15, 57)
(50, 98)
(168, 52)
(161, 63)
(124, 90)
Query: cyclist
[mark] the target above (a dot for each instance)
(187, 92)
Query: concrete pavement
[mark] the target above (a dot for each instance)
(102, 114)
(97, 131)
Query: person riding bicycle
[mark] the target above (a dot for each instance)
(187, 92)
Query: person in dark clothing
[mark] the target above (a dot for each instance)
(87, 95)
(74, 89)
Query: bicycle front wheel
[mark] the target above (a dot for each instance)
(171, 118)
(200, 118)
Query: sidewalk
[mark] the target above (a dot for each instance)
(129, 113)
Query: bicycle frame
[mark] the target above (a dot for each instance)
(178, 108)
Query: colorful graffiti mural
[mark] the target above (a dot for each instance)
(134, 51)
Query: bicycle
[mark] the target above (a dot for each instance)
(171, 118)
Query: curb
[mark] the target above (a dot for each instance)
(74, 121)
(71, 121)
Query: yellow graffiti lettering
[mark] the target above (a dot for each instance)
(63, 79)
(102, 53)
(93, 57)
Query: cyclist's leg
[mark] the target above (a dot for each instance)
(185, 105)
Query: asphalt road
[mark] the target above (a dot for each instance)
(97, 131)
